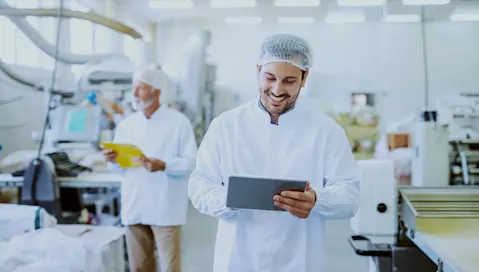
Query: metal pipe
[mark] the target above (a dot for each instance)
(17, 17)
(425, 60)
(23, 81)
(92, 17)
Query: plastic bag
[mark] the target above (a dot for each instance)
(19, 219)
(49, 250)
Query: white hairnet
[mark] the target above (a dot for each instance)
(157, 79)
(286, 48)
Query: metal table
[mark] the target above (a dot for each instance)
(86, 180)
(83, 181)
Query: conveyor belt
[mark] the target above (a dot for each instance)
(444, 224)
(454, 241)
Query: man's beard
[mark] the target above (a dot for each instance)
(140, 105)
(289, 104)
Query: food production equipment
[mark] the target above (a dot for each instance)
(460, 114)
(409, 229)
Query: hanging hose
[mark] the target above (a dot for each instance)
(54, 74)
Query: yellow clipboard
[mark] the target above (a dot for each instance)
(126, 153)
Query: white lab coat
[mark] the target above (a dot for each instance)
(158, 198)
(305, 145)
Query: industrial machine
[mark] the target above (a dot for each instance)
(409, 229)
(195, 81)
(446, 143)
(430, 158)
(50, 179)
(460, 114)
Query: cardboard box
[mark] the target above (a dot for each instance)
(398, 140)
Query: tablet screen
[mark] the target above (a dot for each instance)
(257, 193)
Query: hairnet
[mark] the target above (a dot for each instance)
(286, 48)
(157, 79)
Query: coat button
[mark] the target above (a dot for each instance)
(222, 183)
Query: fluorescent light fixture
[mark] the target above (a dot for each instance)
(471, 17)
(425, 2)
(243, 20)
(171, 4)
(402, 18)
(360, 3)
(233, 3)
(296, 20)
(296, 3)
(345, 18)
(465, 15)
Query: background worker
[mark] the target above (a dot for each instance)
(154, 197)
(276, 137)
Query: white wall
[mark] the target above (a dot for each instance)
(372, 57)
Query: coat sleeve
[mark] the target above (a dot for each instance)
(184, 163)
(339, 197)
(205, 189)
(121, 136)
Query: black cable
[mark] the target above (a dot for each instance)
(54, 73)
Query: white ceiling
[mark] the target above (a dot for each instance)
(269, 13)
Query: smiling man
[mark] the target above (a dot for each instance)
(276, 137)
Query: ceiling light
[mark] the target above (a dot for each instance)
(425, 2)
(360, 3)
(232, 3)
(402, 18)
(345, 18)
(465, 17)
(243, 20)
(296, 20)
(296, 3)
(171, 4)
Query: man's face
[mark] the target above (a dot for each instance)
(143, 95)
(279, 85)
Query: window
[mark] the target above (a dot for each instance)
(102, 39)
(19, 49)
(7, 46)
(49, 31)
(132, 49)
(81, 37)
(27, 54)
(74, 5)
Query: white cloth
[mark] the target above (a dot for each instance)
(159, 198)
(305, 145)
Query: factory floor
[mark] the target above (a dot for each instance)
(199, 237)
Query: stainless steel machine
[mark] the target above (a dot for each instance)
(66, 124)
(435, 228)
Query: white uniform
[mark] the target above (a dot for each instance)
(305, 145)
(158, 198)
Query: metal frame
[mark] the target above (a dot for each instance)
(409, 216)
(77, 182)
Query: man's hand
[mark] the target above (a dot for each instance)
(151, 165)
(298, 204)
(109, 155)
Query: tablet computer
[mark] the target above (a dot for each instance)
(257, 193)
